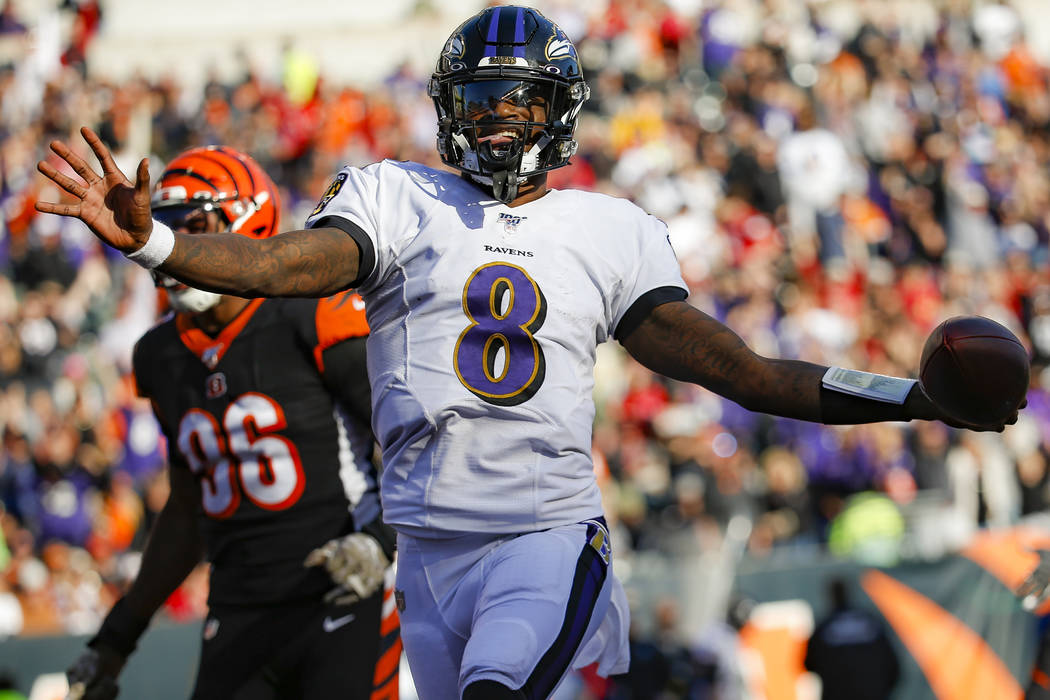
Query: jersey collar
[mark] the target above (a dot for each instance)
(208, 349)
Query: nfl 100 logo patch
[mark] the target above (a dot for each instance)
(211, 356)
(510, 222)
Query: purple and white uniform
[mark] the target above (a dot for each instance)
(484, 322)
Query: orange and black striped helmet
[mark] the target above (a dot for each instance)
(224, 180)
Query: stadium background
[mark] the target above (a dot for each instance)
(838, 176)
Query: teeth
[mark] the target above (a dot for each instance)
(502, 134)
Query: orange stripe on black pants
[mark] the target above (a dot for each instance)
(385, 680)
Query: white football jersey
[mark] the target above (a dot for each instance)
(484, 322)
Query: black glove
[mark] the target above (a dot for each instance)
(93, 676)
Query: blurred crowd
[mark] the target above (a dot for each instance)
(837, 178)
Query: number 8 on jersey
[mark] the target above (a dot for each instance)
(505, 308)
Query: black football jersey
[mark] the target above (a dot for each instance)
(271, 417)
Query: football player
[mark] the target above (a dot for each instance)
(487, 293)
(265, 407)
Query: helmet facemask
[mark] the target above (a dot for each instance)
(508, 91)
(234, 210)
(182, 297)
(191, 218)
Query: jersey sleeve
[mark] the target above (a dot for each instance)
(341, 329)
(654, 278)
(337, 318)
(380, 207)
(351, 203)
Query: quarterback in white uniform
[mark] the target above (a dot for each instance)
(487, 293)
(484, 321)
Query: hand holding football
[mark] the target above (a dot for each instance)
(974, 370)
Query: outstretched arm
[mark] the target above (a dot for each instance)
(314, 262)
(683, 343)
(306, 263)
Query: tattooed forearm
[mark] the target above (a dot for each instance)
(684, 343)
(310, 263)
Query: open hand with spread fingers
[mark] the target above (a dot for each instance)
(114, 208)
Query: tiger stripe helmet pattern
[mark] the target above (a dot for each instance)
(225, 180)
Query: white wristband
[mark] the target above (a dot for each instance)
(158, 247)
(871, 386)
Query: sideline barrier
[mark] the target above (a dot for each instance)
(163, 667)
(959, 631)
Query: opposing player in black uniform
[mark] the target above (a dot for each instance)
(265, 406)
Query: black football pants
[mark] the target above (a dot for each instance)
(292, 650)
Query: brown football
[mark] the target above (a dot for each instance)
(974, 369)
